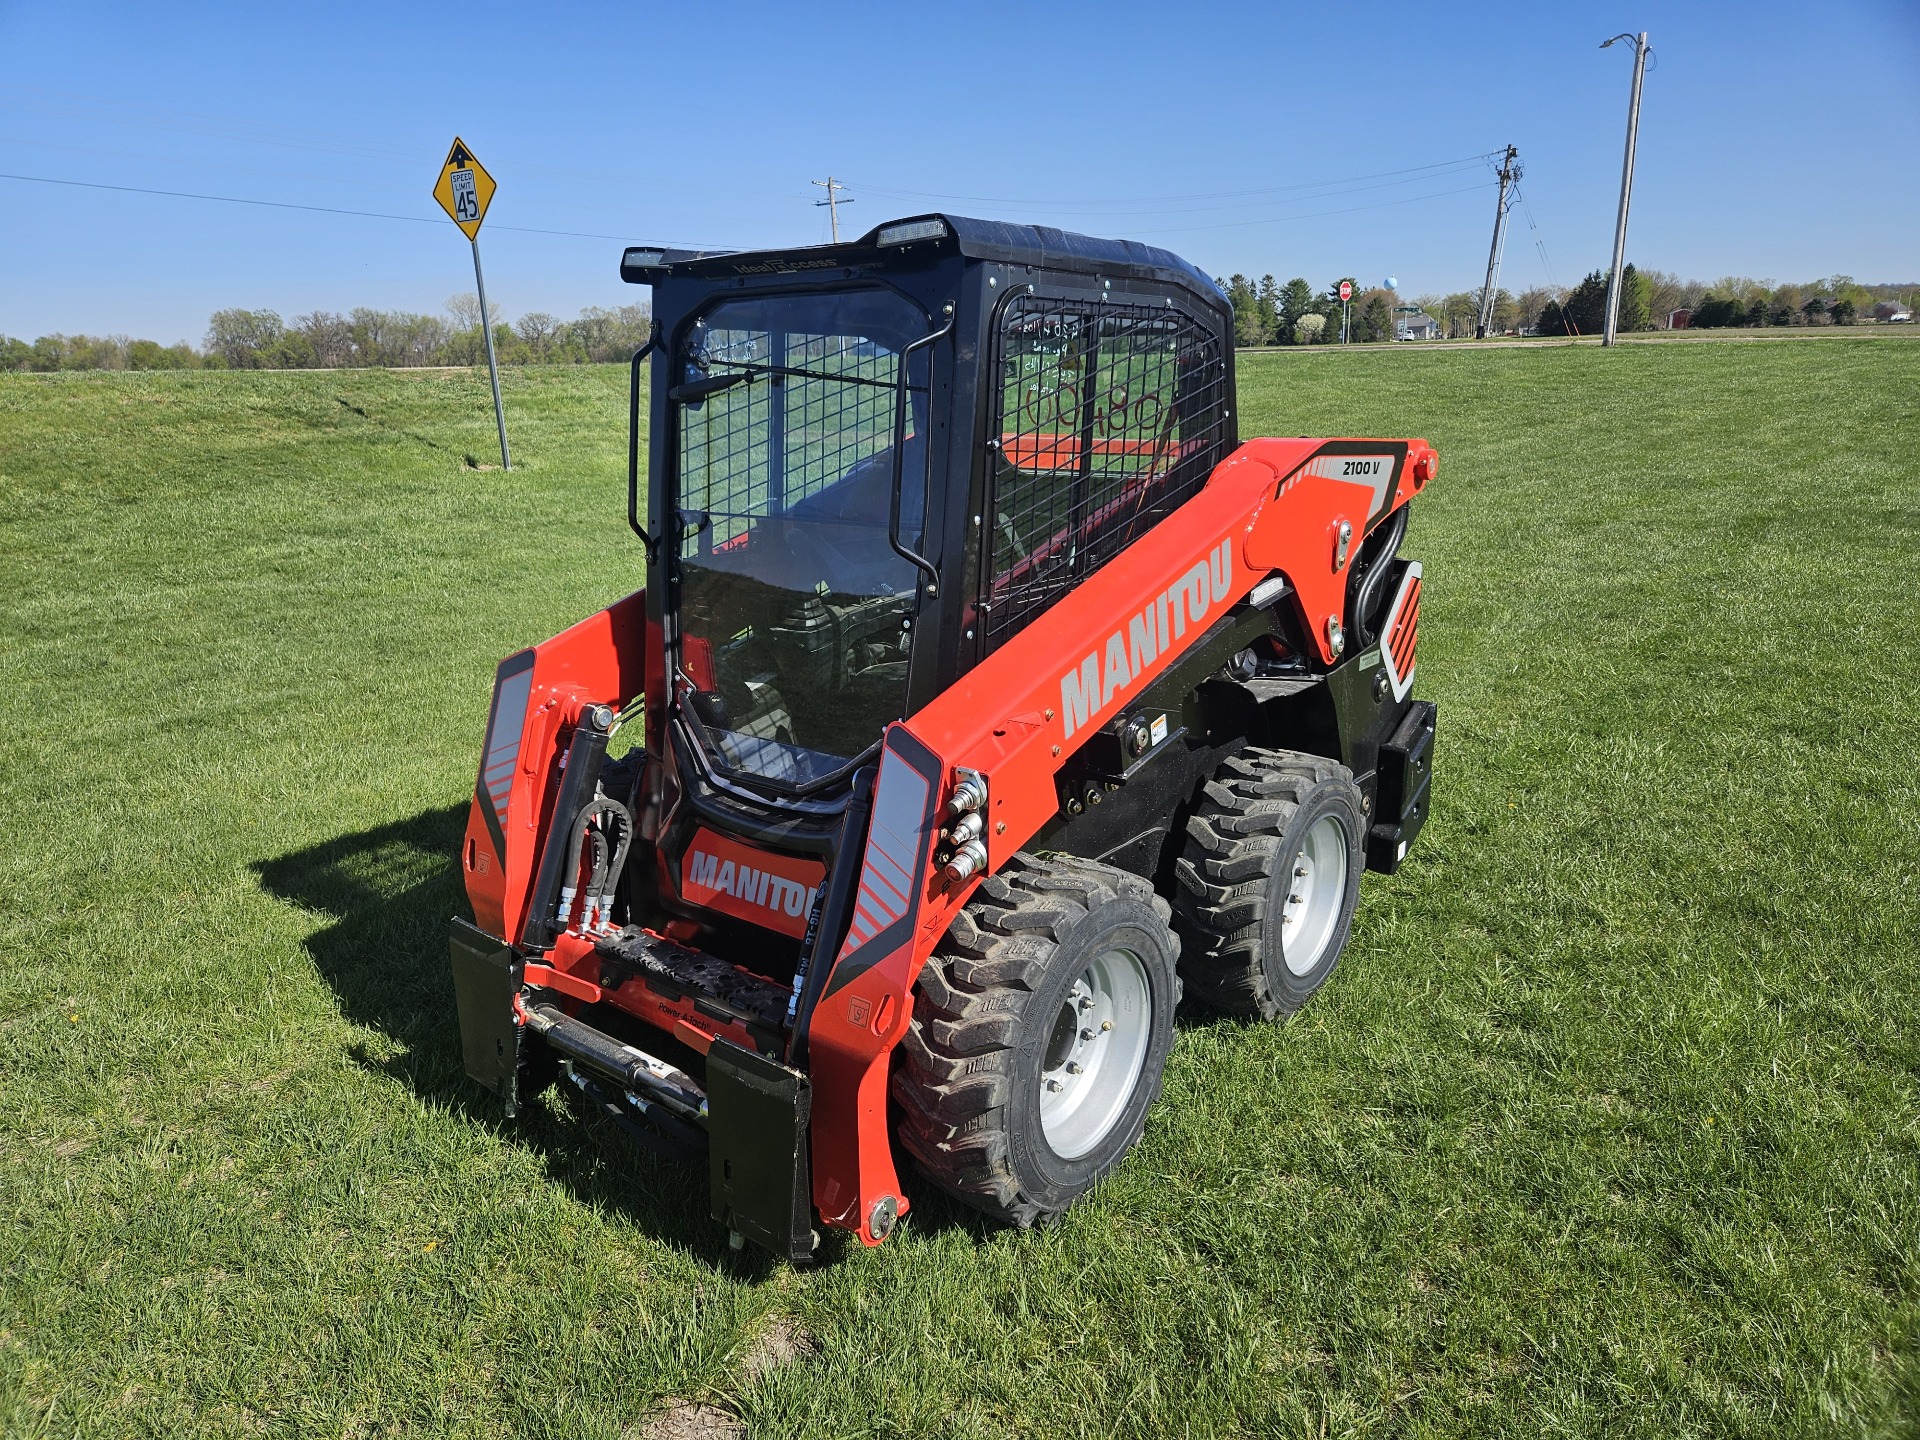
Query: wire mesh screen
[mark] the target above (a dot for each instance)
(1109, 417)
(806, 410)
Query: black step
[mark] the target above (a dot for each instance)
(725, 989)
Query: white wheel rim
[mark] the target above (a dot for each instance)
(1316, 891)
(1096, 1048)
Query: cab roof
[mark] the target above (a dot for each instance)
(923, 237)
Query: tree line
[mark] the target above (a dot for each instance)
(241, 339)
(1265, 312)
(1268, 313)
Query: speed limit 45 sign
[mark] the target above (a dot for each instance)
(464, 189)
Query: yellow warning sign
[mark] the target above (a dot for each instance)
(465, 189)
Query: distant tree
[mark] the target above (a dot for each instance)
(1843, 310)
(1309, 327)
(1742, 289)
(1667, 293)
(1528, 304)
(535, 331)
(238, 336)
(151, 355)
(14, 353)
(1718, 312)
(1758, 309)
(1552, 321)
(290, 350)
(1585, 309)
(1373, 318)
(94, 352)
(598, 335)
(1636, 301)
(328, 336)
(465, 311)
(1296, 299)
(1815, 309)
(1267, 301)
(1245, 300)
(1459, 313)
(48, 351)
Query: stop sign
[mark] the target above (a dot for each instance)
(1346, 289)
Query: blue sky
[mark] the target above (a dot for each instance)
(1777, 140)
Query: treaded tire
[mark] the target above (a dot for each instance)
(1243, 842)
(967, 1088)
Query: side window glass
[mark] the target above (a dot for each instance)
(1108, 417)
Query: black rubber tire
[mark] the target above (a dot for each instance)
(1238, 859)
(966, 1089)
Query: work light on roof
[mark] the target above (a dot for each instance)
(911, 231)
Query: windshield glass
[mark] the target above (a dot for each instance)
(795, 611)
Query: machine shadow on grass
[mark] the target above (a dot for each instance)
(390, 891)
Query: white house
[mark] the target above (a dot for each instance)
(1415, 325)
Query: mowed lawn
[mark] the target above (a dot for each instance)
(1606, 1127)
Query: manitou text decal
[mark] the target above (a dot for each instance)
(774, 891)
(1090, 687)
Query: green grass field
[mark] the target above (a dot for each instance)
(1607, 1126)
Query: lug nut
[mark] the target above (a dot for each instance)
(1055, 1085)
(1088, 1034)
(1073, 1067)
(1106, 1025)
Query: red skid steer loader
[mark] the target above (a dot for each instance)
(985, 691)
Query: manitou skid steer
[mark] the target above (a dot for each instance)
(984, 689)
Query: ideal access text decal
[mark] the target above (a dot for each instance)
(774, 891)
(1088, 688)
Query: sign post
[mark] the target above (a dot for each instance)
(1346, 308)
(464, 191)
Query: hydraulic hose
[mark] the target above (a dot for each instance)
(1376, 564)
(605, 876)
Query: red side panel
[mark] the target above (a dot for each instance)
(1017, 716)
(606, 659)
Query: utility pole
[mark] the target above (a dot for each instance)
(1509, 172)
(1640, 53)
(832, 202)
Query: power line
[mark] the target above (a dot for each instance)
(1314, 214)
(1539, 238)
(1329, 190)
(315, 209)
(1056, 204)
